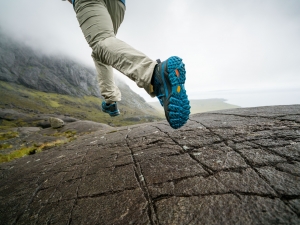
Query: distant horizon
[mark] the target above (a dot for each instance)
(252, 98)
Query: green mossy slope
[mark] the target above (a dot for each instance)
(33, 102)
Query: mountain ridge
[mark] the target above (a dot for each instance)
(21, 65)
(45, 76)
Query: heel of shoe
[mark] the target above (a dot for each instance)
(176, 70)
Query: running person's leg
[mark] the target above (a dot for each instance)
(99, 21)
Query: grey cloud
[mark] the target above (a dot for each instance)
(228, 44)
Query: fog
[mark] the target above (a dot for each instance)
(248, 45)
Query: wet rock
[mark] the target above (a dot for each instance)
(218, 157)
(245, 181)
(44, 124)
(290, 167)
(224, 209)
(227, 167)
(260, 157)
(282, 182)
(28, 130)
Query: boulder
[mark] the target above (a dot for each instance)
(56, 122)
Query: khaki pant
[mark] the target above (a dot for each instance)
(100, 21)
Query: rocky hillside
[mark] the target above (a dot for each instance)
(25, 75)
(21, 65)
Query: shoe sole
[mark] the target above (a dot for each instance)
(177, 104)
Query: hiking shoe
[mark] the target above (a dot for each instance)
(168, 84)
(111, 109)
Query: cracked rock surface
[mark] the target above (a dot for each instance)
(237, 166)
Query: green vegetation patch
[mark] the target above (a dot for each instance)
(5, 146)
(84, 108)
(54, 104)
(17, 154)
(8, 135)
(30, 150)
(67, 134)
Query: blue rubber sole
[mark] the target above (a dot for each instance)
(178, 104)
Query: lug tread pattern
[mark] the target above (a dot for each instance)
(178, 105)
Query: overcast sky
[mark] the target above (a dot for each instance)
(225, 44)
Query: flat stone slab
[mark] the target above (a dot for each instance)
(238, 166)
